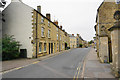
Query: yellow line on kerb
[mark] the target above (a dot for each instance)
(35, 62)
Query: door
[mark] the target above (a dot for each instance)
(51, 48)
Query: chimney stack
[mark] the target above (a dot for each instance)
(39, 9)
(48, 16)
(72, 34)
(56, 22)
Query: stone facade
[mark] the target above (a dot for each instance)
(76, 41)
(107, 34)
(79, 41)
(73, 41)
(105, 20)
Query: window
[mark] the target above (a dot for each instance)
(40, 47)
(48, 23)
(60, 37)
(57, 29)
(42, 31)
(42, 20)
(44, 46)
(57, 36)
(57, 46)
(48, 33)
(62, 46)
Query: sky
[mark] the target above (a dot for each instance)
(76, 16)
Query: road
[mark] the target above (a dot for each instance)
(65, 65)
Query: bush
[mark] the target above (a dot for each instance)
(10, 48)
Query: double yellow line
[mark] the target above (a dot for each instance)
(77, 73)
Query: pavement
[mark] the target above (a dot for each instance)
(94, 69)
(17, 63)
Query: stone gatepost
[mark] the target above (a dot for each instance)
(115, 40)
(103, 49)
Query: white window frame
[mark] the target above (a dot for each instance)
(42, 20)
(57, 29)
(42, 31)
(60, 37)
(57, 36)
(49, 23)
(48, 33)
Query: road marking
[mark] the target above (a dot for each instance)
(36, 62)
(79, 68)
(77, 72)
(18, 67)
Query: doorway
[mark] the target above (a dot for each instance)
(51, 48)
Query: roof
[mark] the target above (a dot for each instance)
(46, 18)
(98, 11)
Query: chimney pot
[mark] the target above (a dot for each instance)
(72, 34)
(56, 22)
(77, 34)
(60, 27)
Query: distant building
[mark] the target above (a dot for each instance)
(76, 41)
(79, 41)
(73, 41)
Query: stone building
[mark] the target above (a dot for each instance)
(79, 41)
(73, 41)
(37, 33)
(104, 38)
(76, 41)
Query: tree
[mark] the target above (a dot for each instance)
(90, 42)
(10, 48)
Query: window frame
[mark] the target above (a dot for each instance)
(42, 31)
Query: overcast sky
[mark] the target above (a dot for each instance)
(76, 16)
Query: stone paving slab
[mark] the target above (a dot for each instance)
(95, 69)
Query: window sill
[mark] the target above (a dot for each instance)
(40, 52)
(43, 36)
(45, 51)
(49, 37)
